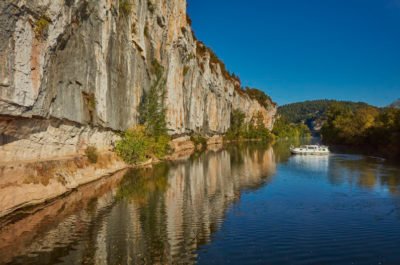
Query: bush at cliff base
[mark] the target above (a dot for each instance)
(136, 146)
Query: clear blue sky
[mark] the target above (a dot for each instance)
(296, 50)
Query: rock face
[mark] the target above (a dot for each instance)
(87, 64)
(28, 184)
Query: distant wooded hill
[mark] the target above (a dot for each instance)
(348, 123)
(311, 110)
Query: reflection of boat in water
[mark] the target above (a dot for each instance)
(310, 150)
(310, 163)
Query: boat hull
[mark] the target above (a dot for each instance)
(298, 152)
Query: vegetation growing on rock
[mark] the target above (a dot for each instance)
(150, 139)
(41, 26)
(92, 154)
(125, 7)
(137, 145)
(253, 130)
(150, 6)
(259, 95)
(198, 139)
(253, 93)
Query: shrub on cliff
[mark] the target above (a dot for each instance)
(92, 154)
(137, 146)
(260, 96)
(256, 130)
(41, 26)
(152, 112)
(125, 7)
(198, 139)
(237, 127)
(150, 139)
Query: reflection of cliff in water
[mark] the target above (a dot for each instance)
(157, 215)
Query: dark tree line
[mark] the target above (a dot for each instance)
(369, 127)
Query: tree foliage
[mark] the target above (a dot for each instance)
(92, 154)
(364, 126)
(311, 110)
(260, 96)
(137, 146)
(284, 129)
(152, 112)
(150, 139)
(125, 7)
(241, 130)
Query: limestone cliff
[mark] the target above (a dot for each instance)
(72, 72)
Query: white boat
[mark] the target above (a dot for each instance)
(310, 150)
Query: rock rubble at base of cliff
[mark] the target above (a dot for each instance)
(73, 72)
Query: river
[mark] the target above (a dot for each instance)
(250, 204)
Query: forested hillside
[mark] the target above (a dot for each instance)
(377, 130)
(312, 109)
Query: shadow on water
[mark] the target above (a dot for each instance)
(156, 215)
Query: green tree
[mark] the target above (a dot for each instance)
(255, 129)
(150, 139)
(284, 129)
(377, 130)
(237, 125)
(152, 112)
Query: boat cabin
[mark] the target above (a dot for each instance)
(313, 148)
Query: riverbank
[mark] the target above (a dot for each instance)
(28, 184)
(207, 183)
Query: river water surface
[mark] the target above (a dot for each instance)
(237, 205)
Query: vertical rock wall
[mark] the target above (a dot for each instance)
(89, 63)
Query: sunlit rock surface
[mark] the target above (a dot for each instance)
(28, 184)
(88, 63)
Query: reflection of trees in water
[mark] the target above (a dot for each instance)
(158, 215)
(152, 181)
(173, 222)
(364, 172)
(177, 208)
(392, 181)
